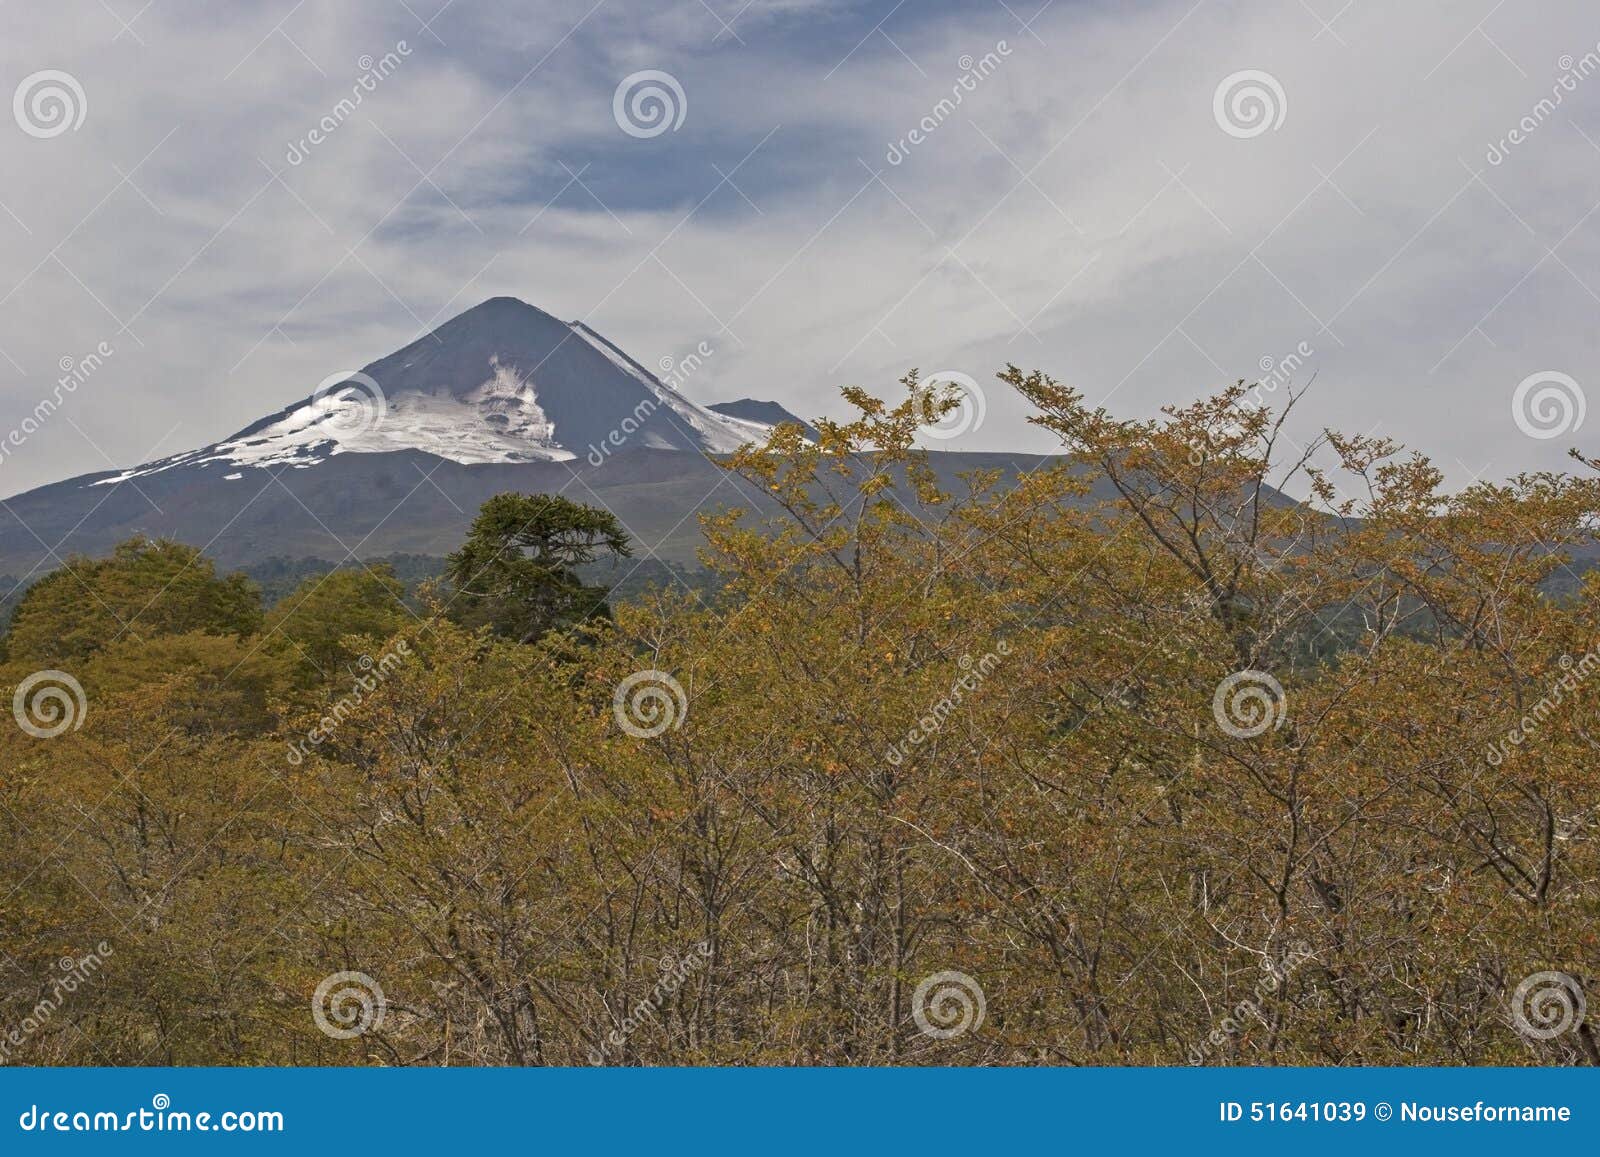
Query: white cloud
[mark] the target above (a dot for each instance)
(1148, 257)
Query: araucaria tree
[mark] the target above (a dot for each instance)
(517, 572)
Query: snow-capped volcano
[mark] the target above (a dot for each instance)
(503, 382)
(398, 458)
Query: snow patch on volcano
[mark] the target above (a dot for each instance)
(503, 382)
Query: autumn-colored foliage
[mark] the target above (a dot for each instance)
(1173, 768)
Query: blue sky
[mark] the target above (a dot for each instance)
(1083, 210)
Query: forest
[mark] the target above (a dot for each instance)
(1128, 760)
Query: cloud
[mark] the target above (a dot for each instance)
(1078, 209)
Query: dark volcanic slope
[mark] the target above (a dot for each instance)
(371, 505)
(768, 413)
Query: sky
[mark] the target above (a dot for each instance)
(1147, 200)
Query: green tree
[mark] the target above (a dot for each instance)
(517, 570)
(323, 612)
(147, 587)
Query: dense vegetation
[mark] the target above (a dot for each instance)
(1197, 775)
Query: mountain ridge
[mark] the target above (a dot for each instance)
(475, 407)
(502, 382)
